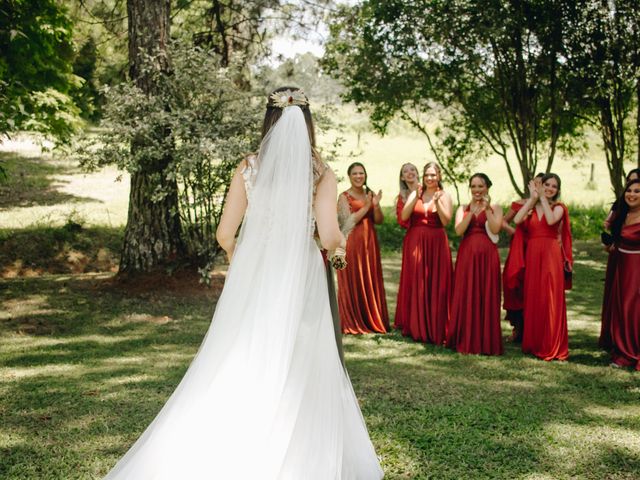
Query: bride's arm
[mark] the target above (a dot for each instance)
(326, 213)
(233, 213)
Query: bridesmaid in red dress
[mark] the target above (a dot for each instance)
(547, 255)
(474, 326)
(361, 298)
(513, 273)
(605, 331)
(621, 307)
(424, 293)
(409, 181)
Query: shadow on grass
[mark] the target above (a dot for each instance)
(30, 182)
(74, 397)
(70, 248)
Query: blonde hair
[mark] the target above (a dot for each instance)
(404, 188)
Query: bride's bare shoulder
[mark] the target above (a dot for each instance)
(322, 171)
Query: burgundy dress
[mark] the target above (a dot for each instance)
(513, 273)
(621, 307)
(361, 299)
(474, 326)
(424, 293)
(545, 310)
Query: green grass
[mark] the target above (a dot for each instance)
(86, 365)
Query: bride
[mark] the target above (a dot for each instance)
(266, 397)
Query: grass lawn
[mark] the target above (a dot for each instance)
(85, 365)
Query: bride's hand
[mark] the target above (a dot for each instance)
(230, 252)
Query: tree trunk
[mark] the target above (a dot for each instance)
(152, 235)
(611, 131)
(638, 120)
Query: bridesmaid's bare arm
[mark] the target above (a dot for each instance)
(462, 220)
(362, 211)
(494, 218)
(234, 209)
(528, 205)
(444, 206)
(554, 215)
(407, 210)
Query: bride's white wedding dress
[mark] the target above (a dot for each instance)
(266, 397)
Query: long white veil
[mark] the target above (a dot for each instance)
(266, 396)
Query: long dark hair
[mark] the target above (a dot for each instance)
(549, 176)
(358, 164)
(621, 212)
(633, 171)
(483, 176)
(273, 114)
(438, 170)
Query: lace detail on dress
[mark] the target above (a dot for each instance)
(319, 169)
(249, 173)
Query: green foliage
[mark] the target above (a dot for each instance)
(587, 222)
(86, 96)
(492, 73)
(36, 75)
(604, 52)
(303, 71)
(209, 125)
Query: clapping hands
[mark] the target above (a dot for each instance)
(534, 190)
(375, 199)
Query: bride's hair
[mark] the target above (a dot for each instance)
(273, 114)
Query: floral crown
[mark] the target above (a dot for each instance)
(288, 98)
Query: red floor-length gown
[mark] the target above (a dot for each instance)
(545, 310)
(621, 308)
(404, 224)
(424, 293)
(605, 341)
(361, 298)
(513, 273)
(474, 326)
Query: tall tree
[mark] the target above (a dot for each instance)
(604, 54)
(152, 234)
(495, 67)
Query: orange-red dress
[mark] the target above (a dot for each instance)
(474, 326)
(513, 273)
(545, 310)
(424, 293)
(621, 308)
(361, 299)
(404, 224)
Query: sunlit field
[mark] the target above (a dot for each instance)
(86, 363)
(101, 198)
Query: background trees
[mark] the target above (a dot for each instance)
(503, 73)
(181, 122)
(172, 82)
(36, 72)
(604, 53)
